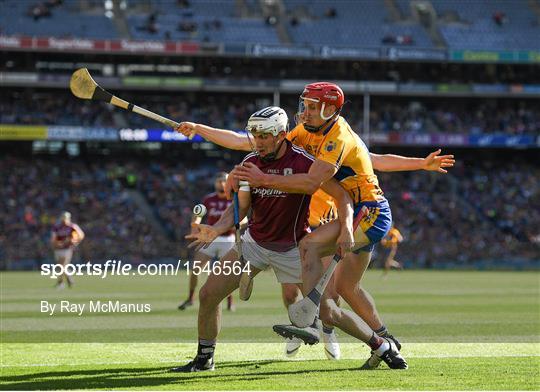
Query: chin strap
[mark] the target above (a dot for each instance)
(272, 156)
(331, 121)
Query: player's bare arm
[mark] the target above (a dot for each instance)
(344, 205)
(433, 162)
(80, 235)
(307, 183)
(223, 137)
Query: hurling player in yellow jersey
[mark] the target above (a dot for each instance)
(340, 153)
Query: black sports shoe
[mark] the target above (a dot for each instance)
(309, 335)
(393, 358)
(197, 365)
(396, 342)
(374, 360)
(186, 304)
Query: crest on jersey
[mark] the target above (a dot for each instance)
(330, 146)
(287, 171)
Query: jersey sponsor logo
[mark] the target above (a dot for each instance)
(265, 192)
(287, 171)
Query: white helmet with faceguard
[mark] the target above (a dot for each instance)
(272, 120)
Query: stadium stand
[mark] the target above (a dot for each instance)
(55, 19)
(452, 116)
(490, 24)
(349, 23)
(206, 21)
(479, 24)
(419, 115)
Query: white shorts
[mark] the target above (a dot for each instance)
(65, 254)
(219, 247)
(286, 265)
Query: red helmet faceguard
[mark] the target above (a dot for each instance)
(327, 94)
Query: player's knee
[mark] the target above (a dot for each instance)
(291, 295)
(208, 296)
(308, 244)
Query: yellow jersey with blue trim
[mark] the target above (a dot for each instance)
(340, 146)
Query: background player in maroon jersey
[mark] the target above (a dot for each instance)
(279, 220)
(216, 203)
(65, 236)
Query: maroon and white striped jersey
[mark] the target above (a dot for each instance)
(64, 232)
(215, 207)
(279, 220)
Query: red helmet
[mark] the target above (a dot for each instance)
(326, 93)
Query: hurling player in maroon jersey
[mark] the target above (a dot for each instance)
(216, 203)
(65, 236)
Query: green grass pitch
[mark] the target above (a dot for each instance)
(460, 331)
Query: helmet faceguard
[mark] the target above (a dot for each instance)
(272, 120)
(325, 93)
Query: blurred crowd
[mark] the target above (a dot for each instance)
(482, 211)
(36, 192)
(38, 108)
(488, 116)
(172, 189)
(512, 117)
(136, 210)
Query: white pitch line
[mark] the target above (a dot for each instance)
(258, 359)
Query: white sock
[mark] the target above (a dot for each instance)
(382, 348)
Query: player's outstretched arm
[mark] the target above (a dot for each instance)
(223, 137)
(307, 183)
(433, 162)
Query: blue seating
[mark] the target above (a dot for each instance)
(519, 31)
(360, 23)
(357, 23)
(63, 22)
